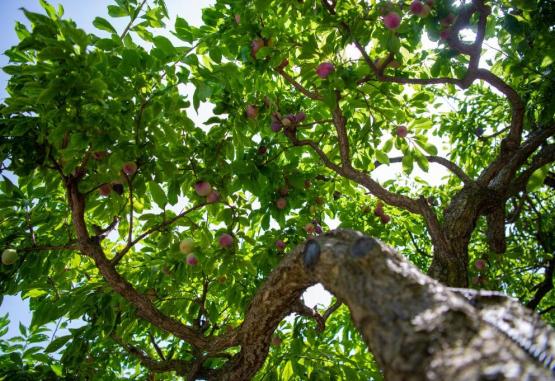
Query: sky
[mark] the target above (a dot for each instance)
(83, 13)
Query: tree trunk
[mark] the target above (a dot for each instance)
(451, 240)
(417, 328)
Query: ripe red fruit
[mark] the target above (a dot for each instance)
(402, 131)
(448, 20)
(262, 150)
(280, 245)
(392, 20)
(480, 264)
(419, 8)
(256, 45)
(213, 197)
(318, 229)
(319, 200)
(416, 7)
(286, 122)
(225, 240)
(99, 155)
(117, 187)
(444, 34)
(276, 126)
(203, 188)
(284, 190)
(129, 168)
(325, 69)
(281, 203)
(237, 18)
(385, 218)
(105, 189)
(251, 111)
(309, 228)
(299, 117)
(307, 184)
(378, 210)
(192, 260)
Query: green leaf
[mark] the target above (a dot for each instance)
(421, 160)
(50, 10)
(115, 11)
(57, 369)
(157, 194)
(165, 45)
(392, 42)
(426, 146)
(103, 24)
(35, 292)
(57, 343)
(381, 157)
(537, 179)
(22, 329)
(183, 30)
(408, 163)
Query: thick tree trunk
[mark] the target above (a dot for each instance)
(417, 328)
(450, 261)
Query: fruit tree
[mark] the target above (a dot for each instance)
(182, 246)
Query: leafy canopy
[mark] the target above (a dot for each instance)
(83, 105)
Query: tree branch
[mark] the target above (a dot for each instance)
(310, 94)
(454, 168)
(499, 174)
(545, 156)
(301, 309)
(545, 286)
(133, 18)
(69, 246)
(156, 347)
(181, 367)
(339, 122)
(145, 308)
(154, 229)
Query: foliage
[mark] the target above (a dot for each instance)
(82, 105)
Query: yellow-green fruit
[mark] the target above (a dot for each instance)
(186, 246)
(9, 257)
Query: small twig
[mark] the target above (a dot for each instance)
(133, 18)
(130, 232)
(298, 86)
(156, 347)
(454, 168)
(154, 229)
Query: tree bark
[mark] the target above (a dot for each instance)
(417, 328)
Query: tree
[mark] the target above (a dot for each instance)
(168, 238)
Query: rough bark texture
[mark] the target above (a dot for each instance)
(417, 328)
